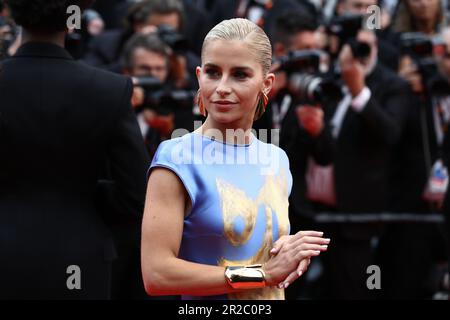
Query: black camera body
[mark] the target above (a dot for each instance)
(346, 29)
(176, 41)
(419, 45)
(306, 82)
(161, 97)
(300, 61)
(423, 50)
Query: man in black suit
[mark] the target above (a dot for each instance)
(366, 124)
(60, 122)
(420, 247)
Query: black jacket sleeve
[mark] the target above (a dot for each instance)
(128, 161)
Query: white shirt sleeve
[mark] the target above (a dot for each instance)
(360, 101)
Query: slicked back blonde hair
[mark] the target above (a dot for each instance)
(244, 30)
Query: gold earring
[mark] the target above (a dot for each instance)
(263, 100)
(200, 104)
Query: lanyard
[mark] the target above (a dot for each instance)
(279, 112)
(340, 113)
(441, 118)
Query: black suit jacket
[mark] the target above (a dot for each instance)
(365, 143)
(410, 170)
(60, 122)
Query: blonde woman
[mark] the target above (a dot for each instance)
(216, 216)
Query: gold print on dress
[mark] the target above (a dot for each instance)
(273, 196)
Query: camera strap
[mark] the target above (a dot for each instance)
(339, 114)
(438, 174)
(279, 111)
(441, 118)
(278, 114)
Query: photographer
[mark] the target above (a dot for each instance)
(147, 59)
(366, 125)
(419, 177)
(387, 40)
(164, 17)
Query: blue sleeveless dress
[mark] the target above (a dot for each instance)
(239, 196)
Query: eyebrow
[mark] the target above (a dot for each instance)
(240, 68)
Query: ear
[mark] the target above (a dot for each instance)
(268, 83)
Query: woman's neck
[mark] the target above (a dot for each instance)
(235, 133)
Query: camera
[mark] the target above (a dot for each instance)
(161, 98)
(346, 29)
(420, 46)
(177, 42)
(306, 82)
(424, 50)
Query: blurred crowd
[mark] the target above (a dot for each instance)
(361, 104)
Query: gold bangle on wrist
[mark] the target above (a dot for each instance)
(245, 277)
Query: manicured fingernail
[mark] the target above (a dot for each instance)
(273, 250)
(286, 284)
(317, 252)
(327, 240)
(324, 246)
(300, 273)
(280, 286)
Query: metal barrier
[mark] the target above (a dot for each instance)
(334, 217)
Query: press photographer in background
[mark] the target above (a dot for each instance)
(387, 40)
(367, 121)
(165, 17)
(302, 129)
(159, 105)
(419, 175)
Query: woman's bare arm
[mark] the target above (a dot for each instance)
(162, 229)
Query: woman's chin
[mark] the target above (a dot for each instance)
(223, 118)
